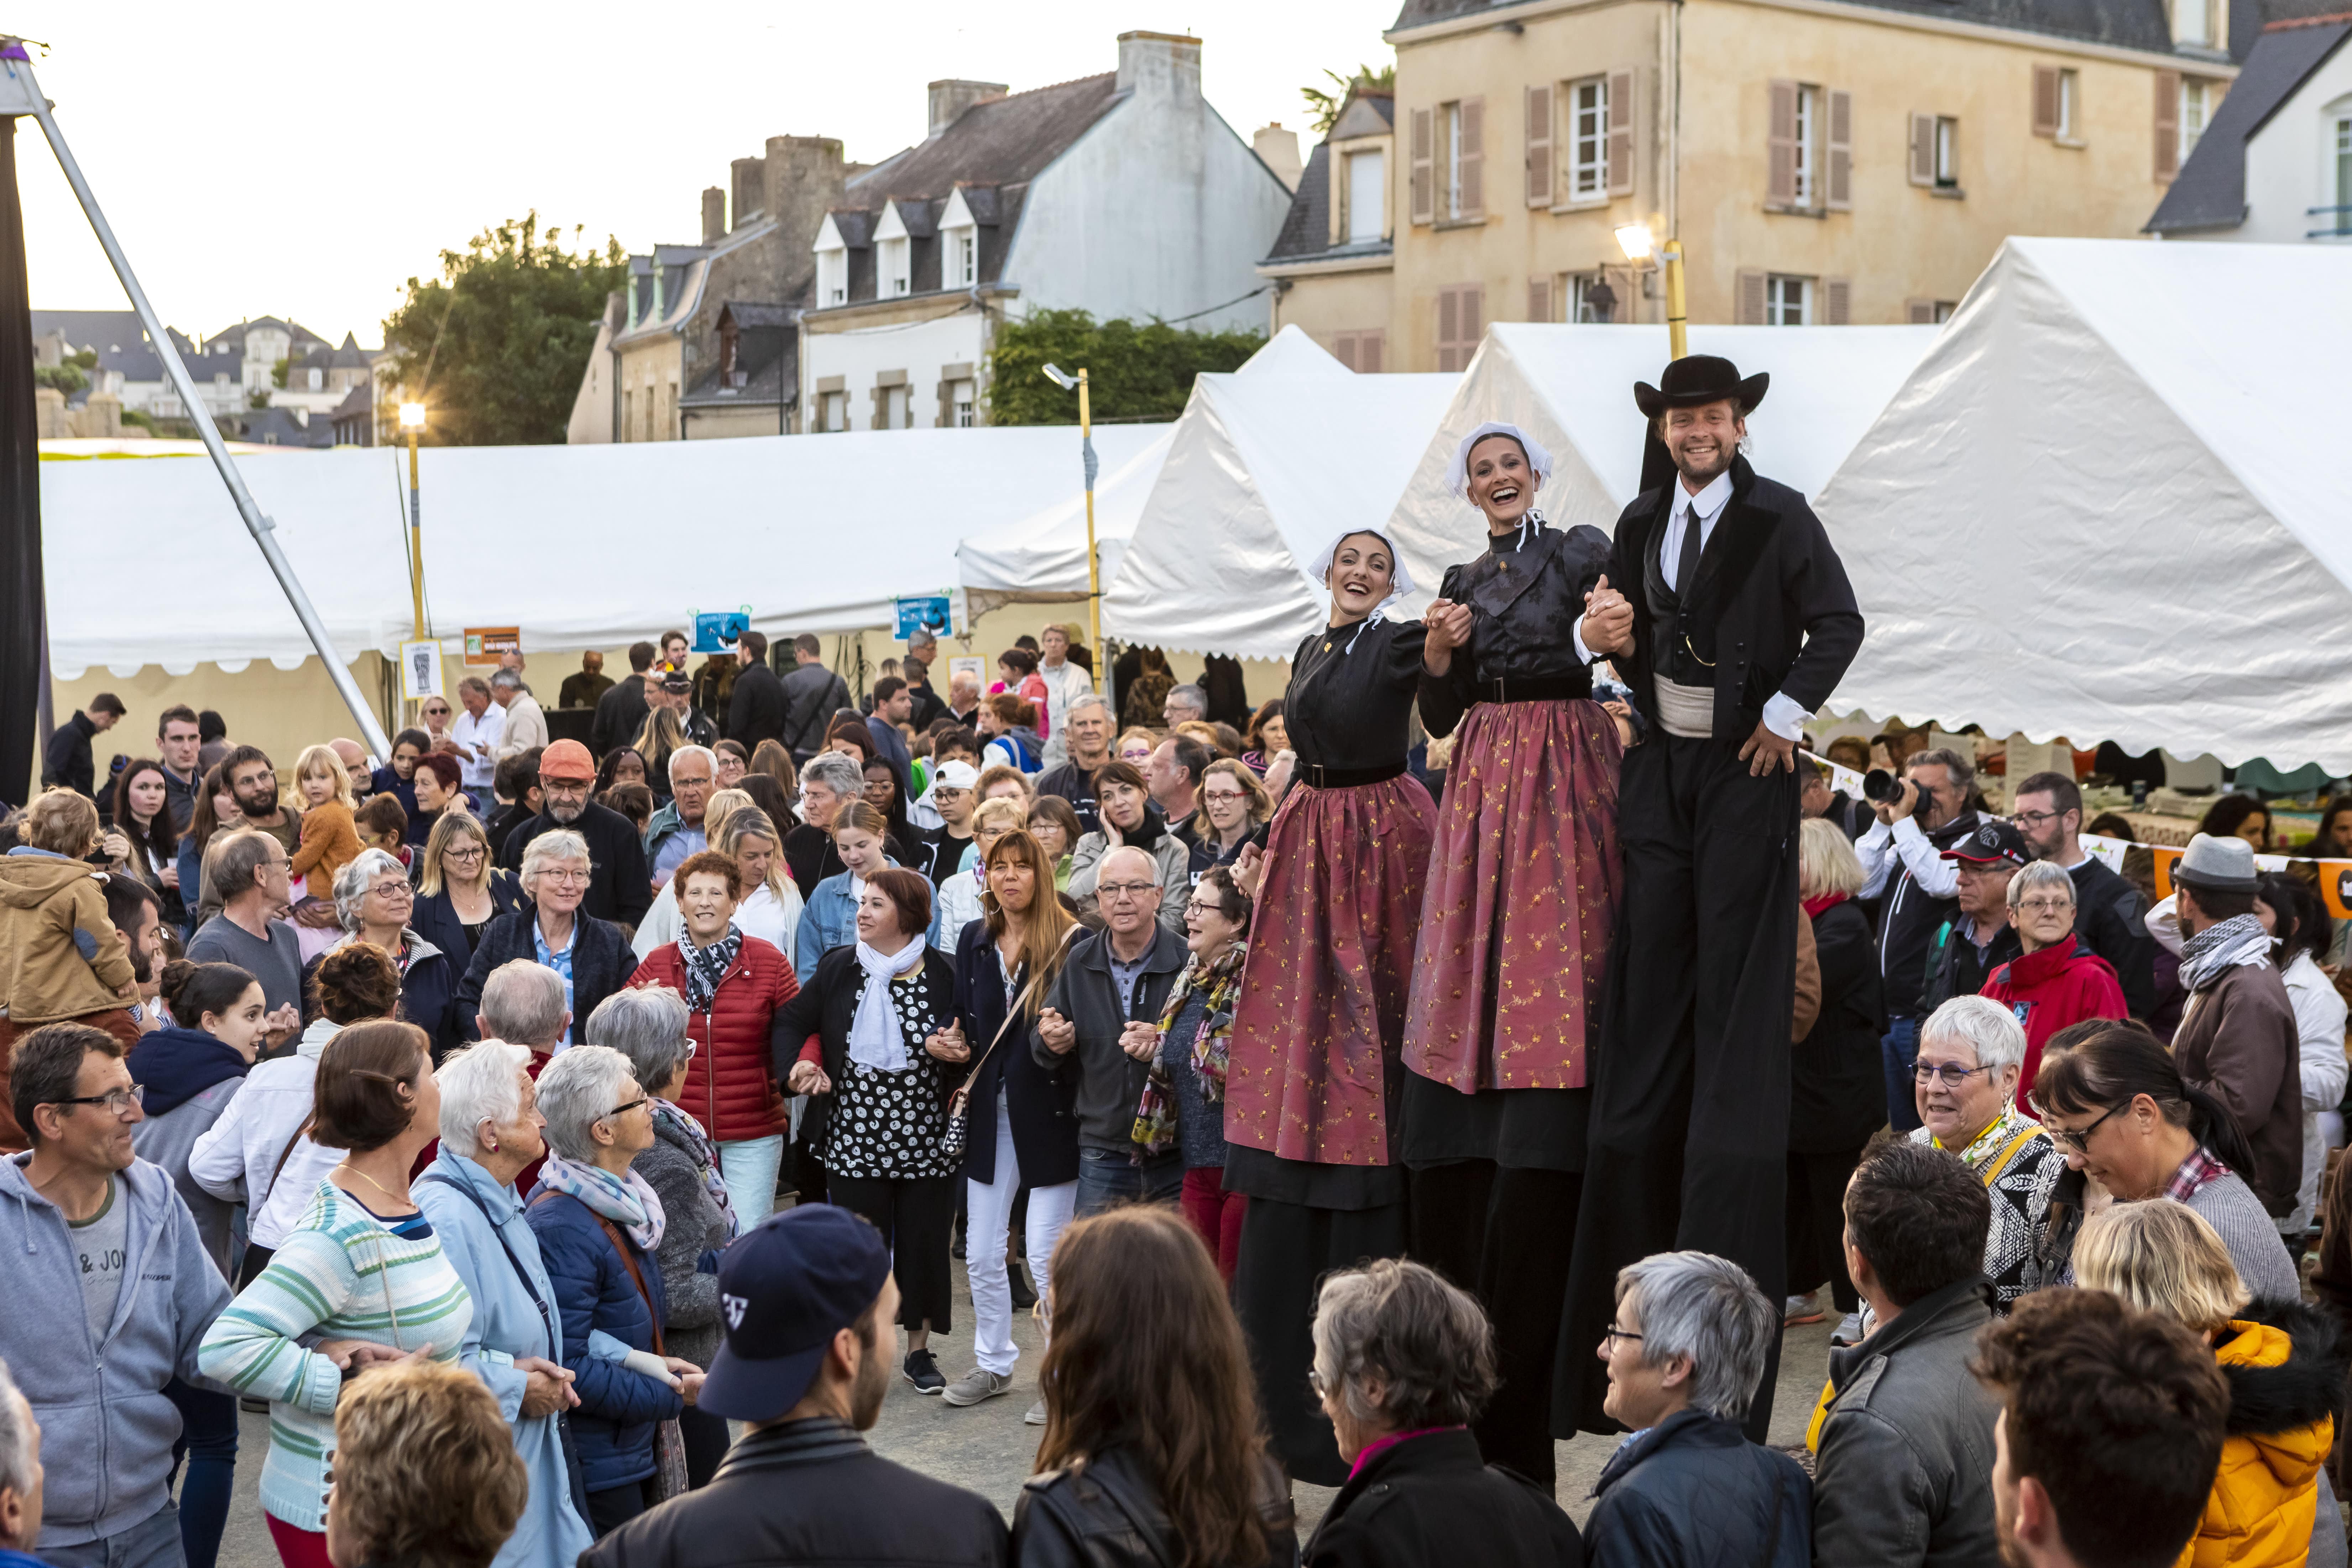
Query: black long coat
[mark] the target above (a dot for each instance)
(1837, 1087)
(1431, 1499)
(1041, 1100)
(1769, 584)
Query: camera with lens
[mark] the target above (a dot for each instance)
(1880, 786)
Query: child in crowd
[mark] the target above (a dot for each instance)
(330, 840)
(382, 823)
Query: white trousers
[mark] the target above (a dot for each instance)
(989, 1212)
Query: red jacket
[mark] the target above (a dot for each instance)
(731, 1085)
(2062, 983)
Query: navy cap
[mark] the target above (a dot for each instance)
(785, 1288)
(1997, 843)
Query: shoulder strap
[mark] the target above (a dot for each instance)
(279, 1168)
(1139, 1511)
(1011, 1010)
(2009, 1151)
(496, 1230)
(628, 1260)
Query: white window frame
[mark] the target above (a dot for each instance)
(1788, 300)
(894, 267)
(1805, 183)
(2070, 83)
(1948, 152)
(2196, 96)
(831, 277)
(2337, 166)
(1579, 308)
(1453, 161)
(1587, 139)
(2192, 22)
(960, 268)
(1362, 227)
(963, 400)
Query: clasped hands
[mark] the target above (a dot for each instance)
(1607, 627)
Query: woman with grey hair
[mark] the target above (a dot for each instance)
(491, 1132)
(374, 900)
(1685, 1352)
(1972, 1052)
(1403, 1363)
(2058, 981)
(599, 1226)
(829, 781)
(551, 928)
(647, 1024)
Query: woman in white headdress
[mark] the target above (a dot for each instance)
(1315, 1063)
(1524, 883)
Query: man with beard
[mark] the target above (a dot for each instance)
(618, 888)
(807, 1301)
(132, 909)
(255, 784)
(1743, 622)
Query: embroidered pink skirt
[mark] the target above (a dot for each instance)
(1524, 884)
(1321, 1016)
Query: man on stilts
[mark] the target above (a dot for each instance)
(1743, 623)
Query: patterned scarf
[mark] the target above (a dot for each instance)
(1995, 1138)
(687, 1130)
(629, 1201)
(2238, 940)
(1218, 984)
(705, 966)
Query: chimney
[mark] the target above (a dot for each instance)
(804, 178)
(1279, 149)
(714, 214)
(1160, 65)
(948, 99)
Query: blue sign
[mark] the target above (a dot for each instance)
(719, 630)
(931, 612)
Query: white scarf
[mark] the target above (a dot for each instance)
(875, 1038)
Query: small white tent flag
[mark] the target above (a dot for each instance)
(2113, 502)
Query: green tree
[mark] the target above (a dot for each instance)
(1323, 108)
(67, 378)
(278, 368)
(494, 346)
(1134, 370)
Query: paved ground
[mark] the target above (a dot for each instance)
(987, 1448)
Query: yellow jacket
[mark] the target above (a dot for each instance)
(2283, 1381)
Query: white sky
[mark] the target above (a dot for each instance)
(304, 160)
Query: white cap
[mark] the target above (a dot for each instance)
(958, 774)
(1458, 475)
(1320, 567)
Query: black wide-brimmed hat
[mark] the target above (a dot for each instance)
(1696, 379)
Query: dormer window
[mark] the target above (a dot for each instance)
(894, 266)
(832, 265)
(961, 268)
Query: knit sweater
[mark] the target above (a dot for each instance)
(330, 841)
(342, 1274)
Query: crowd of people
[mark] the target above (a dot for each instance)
(566, 1141)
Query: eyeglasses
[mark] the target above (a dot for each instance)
(2045, 906)
(624, 1110)
(1951, 1075)
(1126, 890)
(1195, 907)
(395, 889)
(1613, 1333)
(564, 787)
(118, 1100)
(2081, 1141)
(566, 877)
(2034, 818)
(463, 852)
(1222, 795)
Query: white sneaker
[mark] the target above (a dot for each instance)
(1848, 1331)
(975, 1386)
(1799, 1309)
(1037, 1415)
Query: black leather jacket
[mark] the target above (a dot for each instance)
(1103, 1512)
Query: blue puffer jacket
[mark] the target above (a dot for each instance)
(613, 1428)
(1693, 1492)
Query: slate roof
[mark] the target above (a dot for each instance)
(279, 428)
(992, 152)
(2123, 23)
(2210, 192)
(1305, 233)
(118, 338)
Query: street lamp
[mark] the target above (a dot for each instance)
(1638, 244)
(412, 419)
(1067, 382)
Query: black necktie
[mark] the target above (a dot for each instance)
(1687, 565)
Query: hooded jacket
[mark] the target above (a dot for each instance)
(729, 1087)
(255, 1150)
(107, 1427)
(2059, 985)
(2285, 1371)
(190, 1078)
(61, 957)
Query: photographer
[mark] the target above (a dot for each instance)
(1924, 812)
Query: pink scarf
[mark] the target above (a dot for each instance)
(1391, 1441)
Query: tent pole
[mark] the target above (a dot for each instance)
(260, 527)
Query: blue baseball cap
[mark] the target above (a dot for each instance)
(785, 1288)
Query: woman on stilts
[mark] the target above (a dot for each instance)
(1313, 1070)
(1524, 883)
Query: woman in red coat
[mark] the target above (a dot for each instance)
(2059, 980)
(732, 983)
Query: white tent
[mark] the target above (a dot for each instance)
(1571, 387)
(579, 546)
(1265, 467)
(1043, 557)
(2112, 503)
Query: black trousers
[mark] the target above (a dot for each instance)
(1816, 1220)
(1497, 1232)
(914, 1215)
(1286, 1250)
(1689, 1134)
(615, 1506)
(705, 1437)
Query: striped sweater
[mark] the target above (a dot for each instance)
(337, 1275)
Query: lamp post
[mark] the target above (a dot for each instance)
(1066, 381)
(412, 419)
(1636, 241)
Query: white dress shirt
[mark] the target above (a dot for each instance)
(487, 731)
(1782, 713)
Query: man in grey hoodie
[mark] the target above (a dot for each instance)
(110, 1293)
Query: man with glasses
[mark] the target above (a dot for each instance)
(254, 783)
(1903, 863)
(619, 888)
(2110, 915)
(251, 872)
(1105, 1007)
(1979, 939)
(109, 1293)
